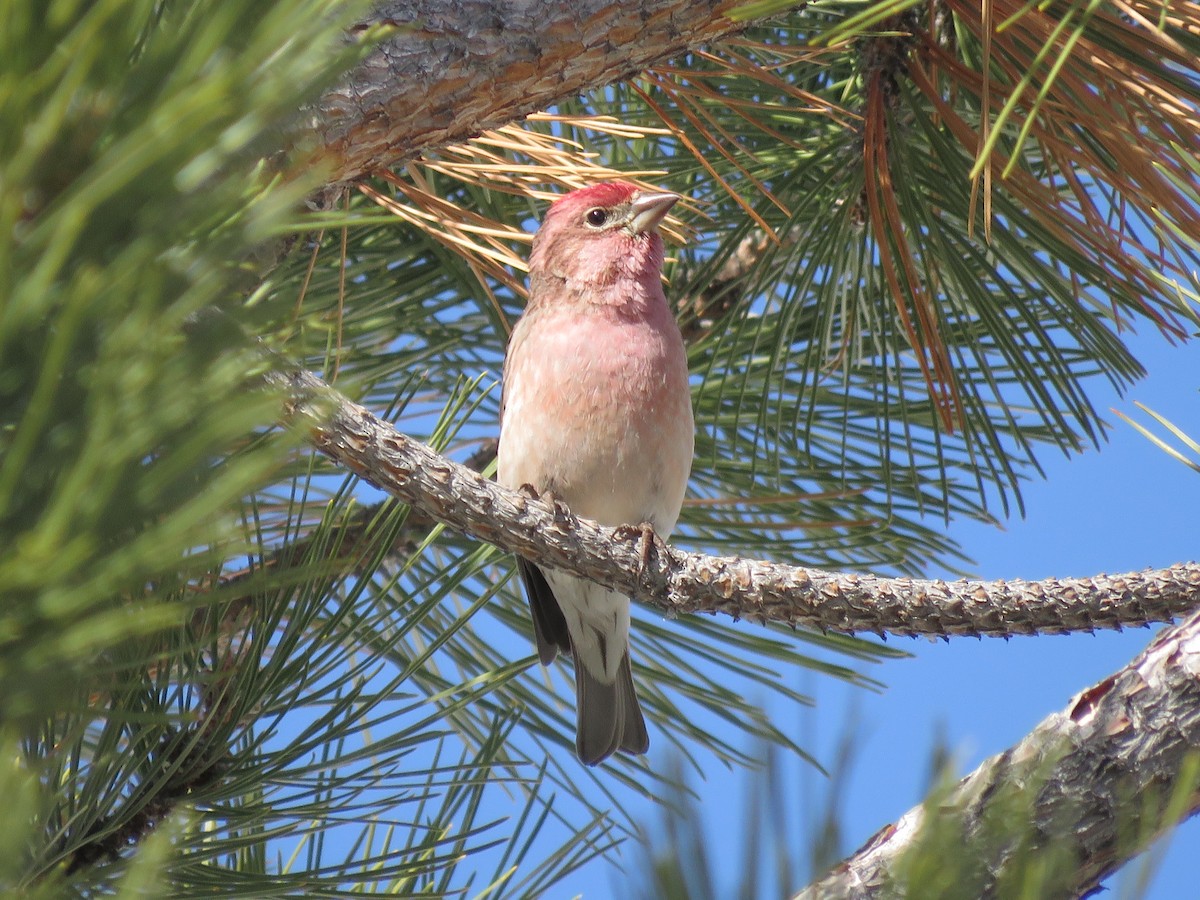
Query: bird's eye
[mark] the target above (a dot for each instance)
(596, 217)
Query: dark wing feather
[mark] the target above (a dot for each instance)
(549, 626)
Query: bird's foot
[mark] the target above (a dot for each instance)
(560, 508)
(647, 539)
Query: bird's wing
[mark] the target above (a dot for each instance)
(549, 625)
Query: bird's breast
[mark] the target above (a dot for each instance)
(597, 408)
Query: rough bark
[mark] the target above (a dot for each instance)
(1103, 777)
(454, 68)
(677, 582)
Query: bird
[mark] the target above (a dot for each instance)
(596, 412)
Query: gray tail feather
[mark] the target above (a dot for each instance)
(608, 715)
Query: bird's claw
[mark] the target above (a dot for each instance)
(647, 539)
(560, 509)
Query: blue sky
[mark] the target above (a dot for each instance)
(1127, 507)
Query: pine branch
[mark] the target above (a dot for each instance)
(455, 68)
(677, 582)
(343, 552)
(187, 760)
(703, 311)
(1108, 774)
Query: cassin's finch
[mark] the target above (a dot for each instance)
(597, 411)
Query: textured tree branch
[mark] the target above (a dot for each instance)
(454, 68)
(1107, 774)
(676, 582)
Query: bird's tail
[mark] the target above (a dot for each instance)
(609, 718)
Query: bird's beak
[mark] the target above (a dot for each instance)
(649, 208)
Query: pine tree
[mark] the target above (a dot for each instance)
(913, 234)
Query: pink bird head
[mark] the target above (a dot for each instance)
(599, 236)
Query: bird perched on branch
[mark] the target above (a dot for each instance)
(597, 412)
